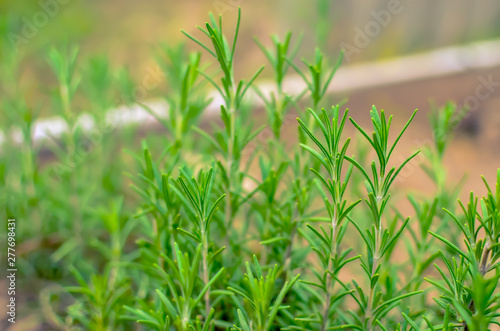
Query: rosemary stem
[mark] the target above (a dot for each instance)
(205, 268)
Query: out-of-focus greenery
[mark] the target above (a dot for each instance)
(127, 31)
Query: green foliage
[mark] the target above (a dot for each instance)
(472, 295)
(320, 80)
(102, 300)
(224, 53)
(443, 123)
(153, 235)
(184, 94)
(380, 239)
(277, 104)
(261, 292)
(181, 283)
(332, 158)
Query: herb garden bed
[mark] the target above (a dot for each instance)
(300, 224)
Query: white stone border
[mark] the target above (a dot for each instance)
(436, 63)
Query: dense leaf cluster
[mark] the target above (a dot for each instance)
(198, 231)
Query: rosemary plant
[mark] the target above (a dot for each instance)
(204, 233)
(233, 139)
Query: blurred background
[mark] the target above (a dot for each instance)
(130, 34)
(128, 30)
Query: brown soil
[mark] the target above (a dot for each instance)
(475, 151)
